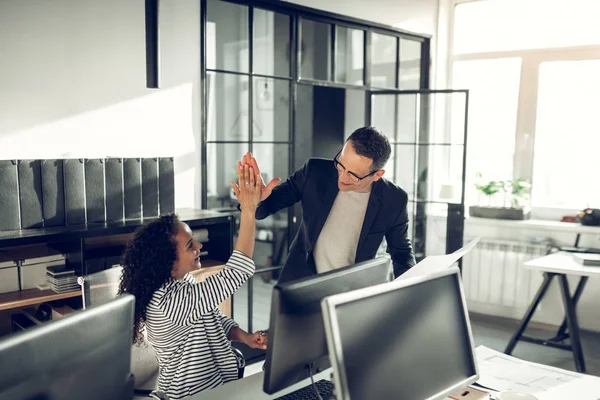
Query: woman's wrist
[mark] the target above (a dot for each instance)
(249, 213)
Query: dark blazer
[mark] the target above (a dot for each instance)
(315, 187)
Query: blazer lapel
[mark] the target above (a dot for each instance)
(370, 215)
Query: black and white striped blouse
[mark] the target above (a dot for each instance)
(189, 333)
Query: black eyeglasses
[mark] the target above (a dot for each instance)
(353, 177)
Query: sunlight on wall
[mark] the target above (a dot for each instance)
(157, 125)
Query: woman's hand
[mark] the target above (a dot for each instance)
(258, 340)
(247, 190)
(265, 190)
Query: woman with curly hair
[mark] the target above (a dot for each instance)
(190, 335)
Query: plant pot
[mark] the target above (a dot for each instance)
(500, 212)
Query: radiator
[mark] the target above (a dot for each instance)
(493, 273)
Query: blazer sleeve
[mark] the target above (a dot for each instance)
(398, 244)
(284, 195)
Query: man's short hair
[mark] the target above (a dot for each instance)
(370, 142)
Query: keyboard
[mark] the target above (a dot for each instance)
(325, 388)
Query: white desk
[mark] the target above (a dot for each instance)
(250, 388)
(561, 263)
(499, 371)
(558, 265)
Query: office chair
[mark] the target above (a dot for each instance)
(101, 287)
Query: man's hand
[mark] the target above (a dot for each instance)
(265, 190)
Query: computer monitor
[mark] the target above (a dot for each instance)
(85, 355)
(296, 331)
(406, 340)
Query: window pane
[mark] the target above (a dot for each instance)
(271, 110)
(566, 137)
(410, 64)
(271, 43)
(227, 107)
(354, 117)
(315, 50)
(482, 26)
(492, 116)
(444, 177)
(407, 115)
(221, 159)
(272, 159)
(383, 60)
(405, 169)
(227, 36)
(349, 56)
(383, 115)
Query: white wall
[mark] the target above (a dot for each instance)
(72, 78)
(73, 84)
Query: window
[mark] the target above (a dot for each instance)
(505, 25)
(532, 70)
(492, 114)
(567, 135)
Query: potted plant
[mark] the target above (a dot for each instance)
(513, 204)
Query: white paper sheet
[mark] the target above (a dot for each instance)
(437, 263)
(501, 372)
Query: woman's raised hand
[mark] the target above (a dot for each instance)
(248, 189)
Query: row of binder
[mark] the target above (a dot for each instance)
(43, 193)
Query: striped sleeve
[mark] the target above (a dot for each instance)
(227, 322)
(189, 302)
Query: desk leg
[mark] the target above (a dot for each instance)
(561, 335)
(525, 321)
(572, 324)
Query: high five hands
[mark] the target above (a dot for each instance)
(265, 190)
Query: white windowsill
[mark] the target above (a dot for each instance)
(534, 224)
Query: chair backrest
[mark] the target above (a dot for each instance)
(101, 287)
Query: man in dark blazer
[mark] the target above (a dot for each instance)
(347, 208)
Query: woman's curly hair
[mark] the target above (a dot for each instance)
(147, 264)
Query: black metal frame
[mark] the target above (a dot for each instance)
(456, 212)
(296, 14)
(569, 322)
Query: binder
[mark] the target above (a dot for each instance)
(113, 169)
(94, 190)
(9, 196)
(166, 185)
(132, 181)
(74, 180)
(30, 193)
(150, 187)
(53, 193)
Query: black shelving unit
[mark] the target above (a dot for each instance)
(88, 246)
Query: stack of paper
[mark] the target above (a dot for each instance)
(501, 372)
(61, 279)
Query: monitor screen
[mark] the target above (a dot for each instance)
(296, 332)
(407, 340)
(86, 355)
